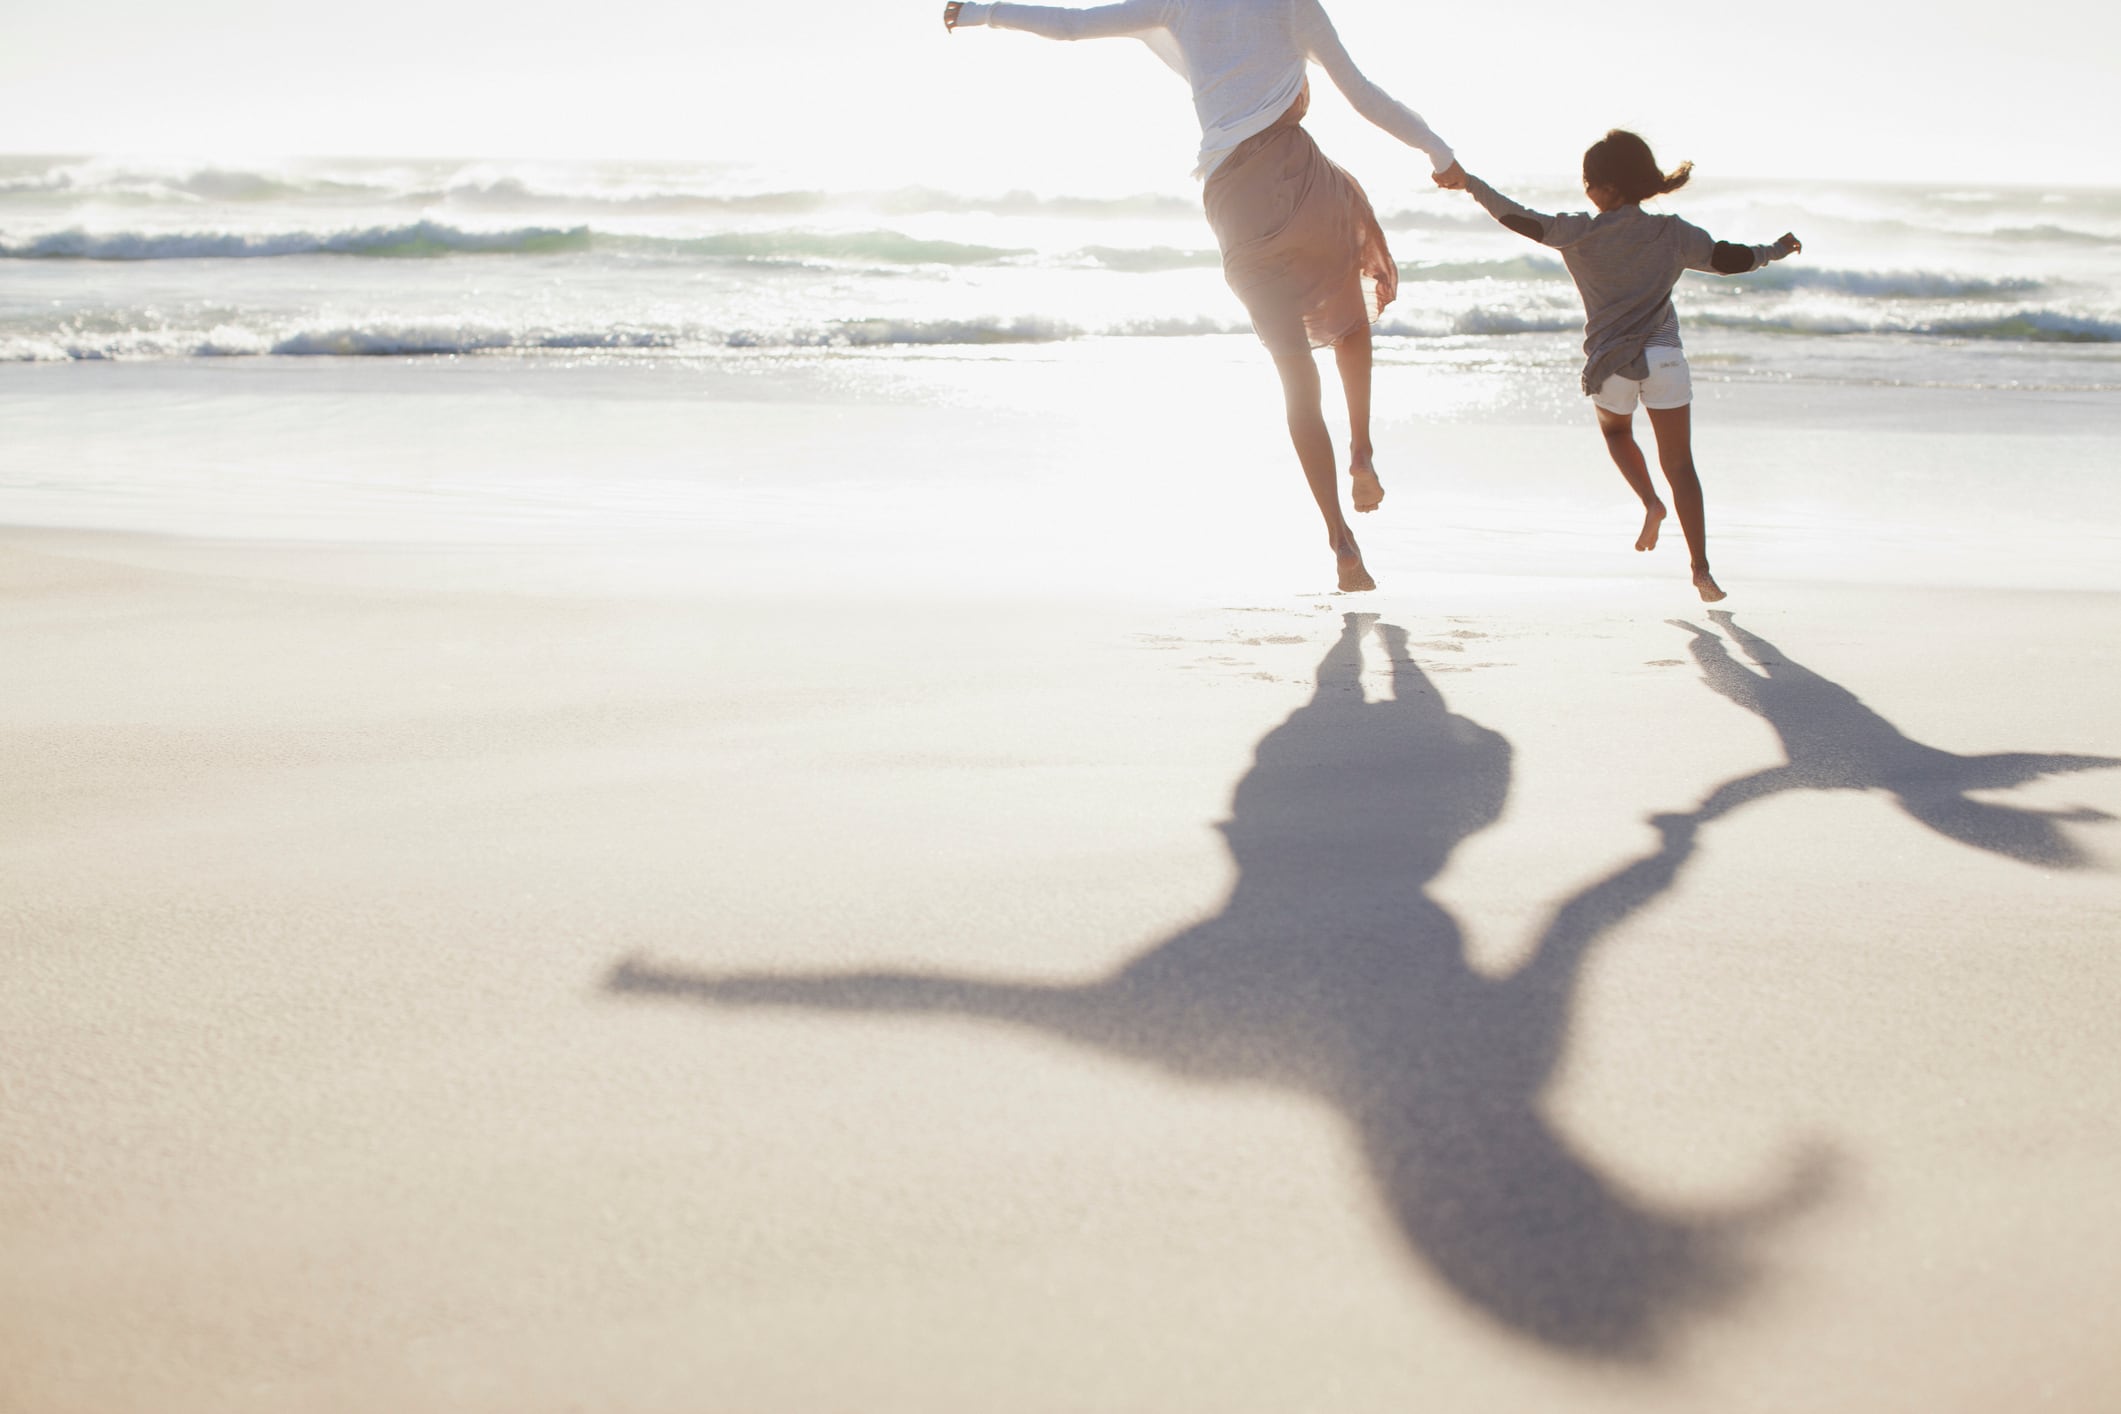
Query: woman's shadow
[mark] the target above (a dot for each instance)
(1331, 971)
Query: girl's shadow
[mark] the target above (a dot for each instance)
(1835, 742)
(1331, 971)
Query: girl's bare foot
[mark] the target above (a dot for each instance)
(1706, 584)
(1367, 493)
(1652, 521)
(1347, 557)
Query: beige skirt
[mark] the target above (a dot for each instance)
(1301, 246)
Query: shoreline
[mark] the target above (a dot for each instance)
(988, 474)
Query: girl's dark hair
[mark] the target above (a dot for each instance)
(1623, 161)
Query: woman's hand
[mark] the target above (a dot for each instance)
(1789, 244)
(950, 14)
(1451, 178)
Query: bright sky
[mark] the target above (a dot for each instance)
(872, 90)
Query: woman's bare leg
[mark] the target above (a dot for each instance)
(1619, 430)
(1352, 355)
(1675, 454)
(1300, 388)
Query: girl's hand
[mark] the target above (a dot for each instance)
(1451, 178)
(1789, 244)
(950, 14)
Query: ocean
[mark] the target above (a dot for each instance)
(1969, 286)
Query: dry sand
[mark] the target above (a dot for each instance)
(427, 999)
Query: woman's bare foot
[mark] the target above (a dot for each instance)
(1367, 493)
(1709, 589)
(1652, 521)
(1347, 557)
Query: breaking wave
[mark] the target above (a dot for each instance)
(414, 339)
(419, 239)
(418, 339)
(435, 238)
(1482, 320)
(383, 340)
(1888, 284)
(803, 247)
(651, 188)
(878, 333)
(2045, 326)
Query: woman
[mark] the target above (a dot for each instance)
(1301, 246)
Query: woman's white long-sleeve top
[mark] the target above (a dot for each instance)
(1244, 58)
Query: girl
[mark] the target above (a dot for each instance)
(1625, 263)
(1301, 246)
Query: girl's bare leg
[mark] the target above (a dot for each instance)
(1300, 389)
(1352, 355)
(1675, 454)
(1619, 430)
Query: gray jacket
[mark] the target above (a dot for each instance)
(1625, 263)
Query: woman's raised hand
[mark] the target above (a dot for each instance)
(1790, 244)
(950, 14)
(1451, 178)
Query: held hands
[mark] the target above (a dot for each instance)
(1451, 178)
(950, 14)
(1789, 244)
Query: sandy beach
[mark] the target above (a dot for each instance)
(604, 948)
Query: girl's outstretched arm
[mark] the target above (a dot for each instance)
(1322, 43)
(1561, 230)
(1129, 17)
(1704, 252)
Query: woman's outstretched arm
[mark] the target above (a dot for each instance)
(1322, 42)
(1128, 17)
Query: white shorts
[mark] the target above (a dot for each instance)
(1670, 385)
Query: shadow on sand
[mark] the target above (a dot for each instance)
(1331, 971)
(1834, 742)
